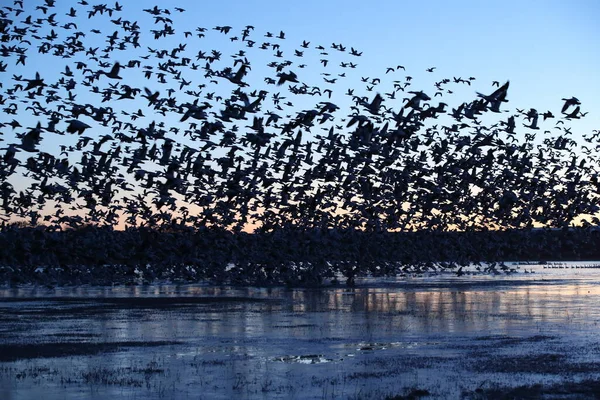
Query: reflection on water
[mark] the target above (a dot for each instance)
(261, 332)
(418, 305)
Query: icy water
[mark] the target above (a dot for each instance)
(440, 337)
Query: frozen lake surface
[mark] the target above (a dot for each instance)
(439, 336)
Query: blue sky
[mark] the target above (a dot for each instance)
(547, 49)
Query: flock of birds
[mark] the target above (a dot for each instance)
(154, 128)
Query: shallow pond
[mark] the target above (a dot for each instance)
(438, 336)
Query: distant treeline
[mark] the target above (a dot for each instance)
(101, 255)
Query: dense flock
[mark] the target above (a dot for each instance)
(117, 117)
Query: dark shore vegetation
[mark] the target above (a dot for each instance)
(294, 257)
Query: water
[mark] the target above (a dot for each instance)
(445, 334)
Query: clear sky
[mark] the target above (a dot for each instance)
(547, 49)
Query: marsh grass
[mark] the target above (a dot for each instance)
(585, 389)
(19, 351)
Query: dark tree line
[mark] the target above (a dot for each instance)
(101, 255)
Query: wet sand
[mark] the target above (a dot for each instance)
(519, 336)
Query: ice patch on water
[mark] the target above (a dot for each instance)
(304, 359)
